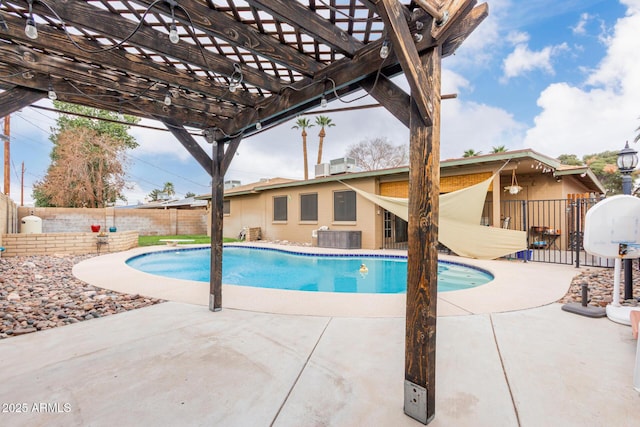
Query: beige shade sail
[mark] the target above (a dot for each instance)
(459, 222)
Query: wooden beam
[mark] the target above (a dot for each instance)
(405, 49)
(217, 215)
(230, 152)
(16, 98)
(422, 262)
(118, 61)
(96, 97)
(309, 22)
(462, 29)
(390, 96)
(189, 143)
(455, 9)
(85, 15)
(221, 25)
(87, 74)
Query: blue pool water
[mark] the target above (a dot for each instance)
(271, 268)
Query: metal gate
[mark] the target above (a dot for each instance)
(555, 229)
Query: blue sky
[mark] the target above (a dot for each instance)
(557, 77)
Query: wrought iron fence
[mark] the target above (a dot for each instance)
(555, 229)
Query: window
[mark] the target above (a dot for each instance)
(226, 207)
(344, 206)
(280, 208)
(309, 207)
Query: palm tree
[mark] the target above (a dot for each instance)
(303, 123)
(637, 138)
(499, 149)
(169, 189)
(322, 121)
(471, 152)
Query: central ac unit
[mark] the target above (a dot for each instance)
(342, 165)
(322, 169)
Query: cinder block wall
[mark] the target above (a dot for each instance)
(9, 216)
(66, 243)
(147, 222)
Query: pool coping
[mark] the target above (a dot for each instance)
(517, 285)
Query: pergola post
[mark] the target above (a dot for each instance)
(217, 214)
(422, 265)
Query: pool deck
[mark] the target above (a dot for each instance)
(506, 356)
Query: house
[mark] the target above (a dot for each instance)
(294, 210)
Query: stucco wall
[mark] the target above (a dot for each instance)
(256, 210)
(144, 221)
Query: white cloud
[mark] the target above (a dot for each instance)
(602, 114)
(158, 143)
(517, 37)
(523, 60)
(580, 27)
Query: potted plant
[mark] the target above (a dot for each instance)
(102, 237)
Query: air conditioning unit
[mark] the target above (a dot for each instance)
(342, 165)
(322, 169)
(232, 183)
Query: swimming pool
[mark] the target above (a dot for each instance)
(278, 269)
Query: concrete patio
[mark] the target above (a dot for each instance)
(179, 364)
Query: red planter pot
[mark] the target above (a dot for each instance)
(95, 228)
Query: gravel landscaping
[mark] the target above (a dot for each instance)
(40, 292)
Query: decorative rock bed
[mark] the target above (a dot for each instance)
(40, 292)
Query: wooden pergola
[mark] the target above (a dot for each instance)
(231, 68)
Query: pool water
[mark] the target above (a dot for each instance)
(272, 268)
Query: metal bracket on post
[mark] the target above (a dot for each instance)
(415, 401)
(212, 300)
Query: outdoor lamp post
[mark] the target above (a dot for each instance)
(627, 162)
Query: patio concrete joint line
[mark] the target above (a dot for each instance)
(506, 377)
(304, 366)
(457, 306)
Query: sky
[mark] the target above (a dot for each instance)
(556, 77)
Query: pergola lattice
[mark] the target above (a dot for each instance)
(231, 68)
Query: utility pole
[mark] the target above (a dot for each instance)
(22, 186)
(7, 156)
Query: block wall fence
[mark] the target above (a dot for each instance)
(66, 243)
(147, 222)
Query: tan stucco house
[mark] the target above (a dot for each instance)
(293, 210)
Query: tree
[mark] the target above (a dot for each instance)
(87, 160)
(637, 138)
(322, 121)
(471, 153)
(304, 123)
(378, 153)
(189, 194)
(604, 166)
(157, 194)
(86, 171)
(570, 159)
(169, 189)
(498, 149)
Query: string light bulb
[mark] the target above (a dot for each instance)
(323, 102)
(167, 99)
(52, 93)
(385, 49)
(30, 28)
(173, 34)
(258, 125)
(236, 78)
